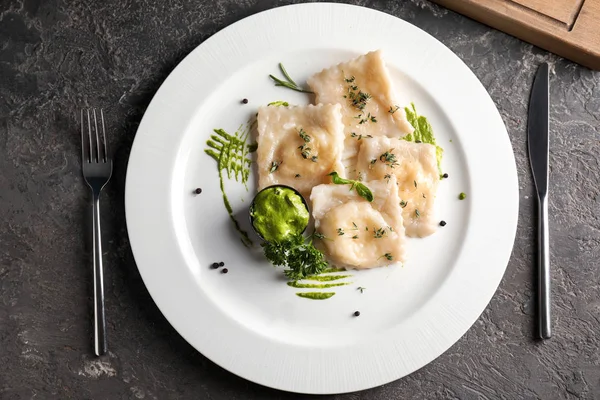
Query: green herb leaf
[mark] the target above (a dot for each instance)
(362, 190)
(274, 166)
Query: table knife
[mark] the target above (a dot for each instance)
(537, 138)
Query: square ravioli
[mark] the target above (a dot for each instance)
(299, 145)
(414, 167)
(355, 233)
(364, 89)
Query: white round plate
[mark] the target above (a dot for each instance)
(249, 321)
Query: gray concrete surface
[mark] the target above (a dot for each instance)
(56, 56)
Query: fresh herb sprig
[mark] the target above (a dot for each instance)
(362, 189)
(288, 82)
(297, 255)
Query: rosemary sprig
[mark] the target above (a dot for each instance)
(288, 82)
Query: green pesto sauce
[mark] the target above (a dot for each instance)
(278, 212)
(232, 154)
(332, 269)
(423, 132)
(315, 295)
(299, 285)
(326, 278)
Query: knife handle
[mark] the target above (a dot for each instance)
(544, 320)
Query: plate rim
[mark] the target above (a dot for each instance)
(134, 171)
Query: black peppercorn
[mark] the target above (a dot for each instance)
(225, 270)
(442, 223)
(198, 191)
(445, 176)
(245, 101)
(215, 265)
(356, 313)
(221, 264)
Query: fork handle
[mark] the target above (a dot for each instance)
(100, 347)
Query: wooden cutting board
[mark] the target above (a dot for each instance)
(569, 28)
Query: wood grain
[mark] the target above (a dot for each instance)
(577, 40)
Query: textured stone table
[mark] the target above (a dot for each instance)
(56, 56)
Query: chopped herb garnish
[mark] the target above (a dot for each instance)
(360, 177)
(423, 194)
(388, 256)
(299, 257)
(340, 231)
(387, 177)
(354, 225)
(350, 80)
(314, 158)
(362, 289)
(361, 188)
(403, 203)
(373, 161)
(274, 166)
(279, 103)
(289, 82)
(393, 110)
(355, 237)
(462, 196)
(417, 213)
(378, 233)
(297, 176)
(304, 151)
(318, 235)
(353, 134)
(303, 135)
(389, 158)
(415, 182)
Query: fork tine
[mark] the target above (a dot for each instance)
(83, 152)
(90, 135)
(97, 138)
(104, 135)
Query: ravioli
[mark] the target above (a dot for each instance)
(356, 233)
(299, 145)
(364, 89)
(414, 167)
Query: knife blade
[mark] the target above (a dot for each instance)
(538, 144)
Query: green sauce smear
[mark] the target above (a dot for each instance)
(423, 132)
(232, 154)
(315, 295)
(326, 278)
(299, 285)
(278, 212)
